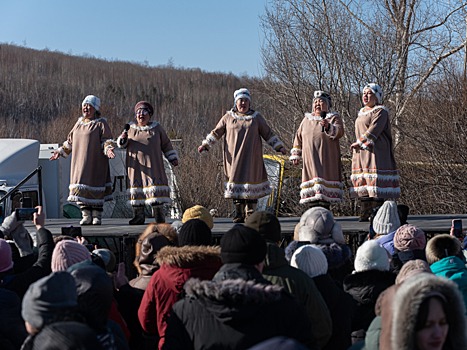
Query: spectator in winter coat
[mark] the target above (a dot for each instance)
(409, 244)
(444, 254)
(50, 299)
(278, 271)
(67, 253)
(311, 259)
(317, 226)
(67, 336)
(428, 313)
(160, 235)
(370, 278)
(12, 328)
(378, 335)
(194, 257)
(95, 294)
(238, 308)
(198, 212)
(385, 224)
(20, 282)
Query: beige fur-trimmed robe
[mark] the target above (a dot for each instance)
(374, 170)
(88, 141)
(243, 153)
(145, 146)
(320, 153)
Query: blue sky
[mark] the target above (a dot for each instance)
(213, 35)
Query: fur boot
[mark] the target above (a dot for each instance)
(138, 216)
(97, 217)
(87, 217)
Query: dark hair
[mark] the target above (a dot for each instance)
(424, 310)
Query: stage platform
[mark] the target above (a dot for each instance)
(431, 224)
(118, 228)
(120, 237)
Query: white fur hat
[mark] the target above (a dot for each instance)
(317, 226)
(371, 256)
(311, 260)
(324, 96)
(386, 219)
(93, 101)
(377, 90)
(242, 93)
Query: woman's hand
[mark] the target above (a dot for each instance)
(174, 162)
(202, 149)
(283, 150)
(38, 218)
(355, 146)
(325, 123)
(110, 153)
(55, 155)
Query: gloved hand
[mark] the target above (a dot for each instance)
(17, 232)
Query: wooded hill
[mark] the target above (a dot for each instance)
(41, 94)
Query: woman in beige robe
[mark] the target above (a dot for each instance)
(91, 142)
(316, 144)
(374, 172)
(146, 141)
(243, 130)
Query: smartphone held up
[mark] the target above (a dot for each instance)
(456, 229)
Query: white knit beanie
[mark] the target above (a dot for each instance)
(310, 259)
(371, 256)
(386, 219)
(93, 101)
(242, 93)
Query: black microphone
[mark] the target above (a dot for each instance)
(124, 134)
(322, 114)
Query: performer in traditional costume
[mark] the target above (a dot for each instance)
(374, 172)
(316, 144)
(145, 142)
(92, 145)
(243, 130)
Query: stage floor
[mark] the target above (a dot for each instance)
(431, 224)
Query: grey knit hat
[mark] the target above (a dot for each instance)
(48, 297)
(386, 219)
(317, 226)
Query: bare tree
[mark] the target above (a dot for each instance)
(339, 46)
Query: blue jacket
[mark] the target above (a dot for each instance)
(454, 269)
(387, 242)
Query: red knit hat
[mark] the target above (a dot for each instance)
(145, 104)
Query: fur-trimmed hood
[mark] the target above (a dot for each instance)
(407, 302)
(233, 300)
(187, 255)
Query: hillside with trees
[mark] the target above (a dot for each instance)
(424, 82)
